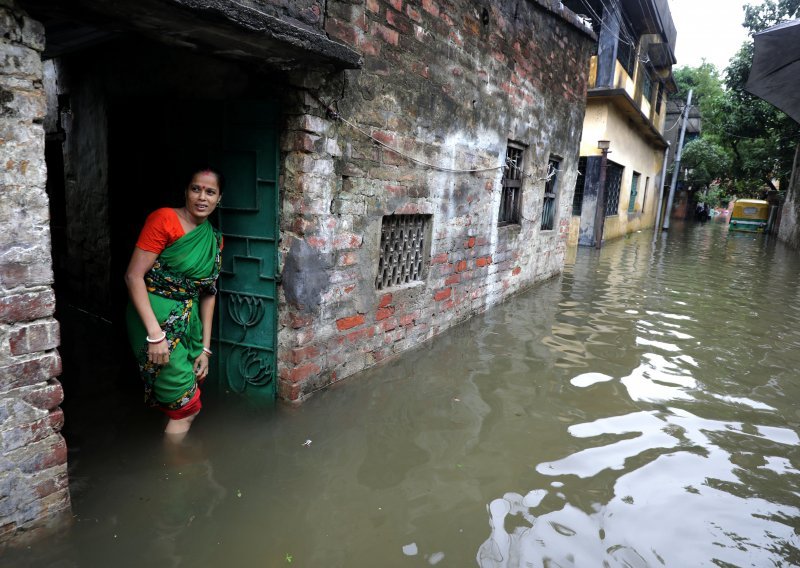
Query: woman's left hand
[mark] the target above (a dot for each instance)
(201, 366)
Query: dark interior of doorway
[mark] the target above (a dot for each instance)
(151, 149)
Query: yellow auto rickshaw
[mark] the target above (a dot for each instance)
(750, 215)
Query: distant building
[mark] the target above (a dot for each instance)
(629, 78)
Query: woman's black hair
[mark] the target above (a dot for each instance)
(212, 170)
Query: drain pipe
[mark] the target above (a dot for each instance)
(661, 185)
(677, 165)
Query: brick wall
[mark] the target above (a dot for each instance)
(449, 83)
(32, 452)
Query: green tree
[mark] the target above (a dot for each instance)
(758, 139)
(706, 162)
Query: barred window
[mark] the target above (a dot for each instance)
(511, 194)
(647, 86)
(550, 189)
(577, 197)
(613, 184)
(634, 192)
(402, 250)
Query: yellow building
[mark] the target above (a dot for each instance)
(629, 78)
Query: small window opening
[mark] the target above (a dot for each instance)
(402, 250)
(550, 189)
(511, 194)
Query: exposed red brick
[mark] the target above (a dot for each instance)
(349, 322)
(431, 7)
(317, 242)
(347, 241)
(516, 271)
(386, 299)
(387, 34)
(56, 419)
(300, 354)
(56, 455)
(398, 21)
(389, 324)
(348, 259)
(40, 336)
(373, 6)
(45, 396)
(296, 321)
(383, 136)
(439, 258)
(342, 30)
(302, 372)
(414, 14)
(355, 336)
(442, 294)
(461, 266)
(453, 279)
(483, 261)
(407, 320)
(470, 242)
(31, 372)
(27, 307)
(396, 4)
(384, 313)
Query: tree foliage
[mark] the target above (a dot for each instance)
(754, 140)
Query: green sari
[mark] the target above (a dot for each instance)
(182, 272)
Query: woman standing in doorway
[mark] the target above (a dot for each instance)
(173, 270)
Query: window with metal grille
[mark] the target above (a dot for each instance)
(402, 250)
(550, 189)
(634, 192)
(511, 195)
(647, 85)
(613, 184)
(577, 197)
(626, 53)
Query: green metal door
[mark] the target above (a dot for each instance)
(245, 330)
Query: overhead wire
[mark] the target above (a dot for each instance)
(337, 116)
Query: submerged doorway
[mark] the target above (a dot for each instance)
(153, 150)
(240, 138)
(133, 119)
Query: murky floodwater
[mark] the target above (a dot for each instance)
(640, 410)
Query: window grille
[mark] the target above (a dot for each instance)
(647, 85)
(550, 188)
(402, 250)
(626, 53)
(634, 192)
(512, 186)
(613, 184)
(577, 197)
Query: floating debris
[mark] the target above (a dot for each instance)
(307, 443)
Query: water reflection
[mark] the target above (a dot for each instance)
(668, 485)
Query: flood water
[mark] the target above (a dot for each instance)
(639, 410)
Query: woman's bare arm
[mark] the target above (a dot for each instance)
(141, 262)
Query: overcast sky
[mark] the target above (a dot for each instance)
(708, 28)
